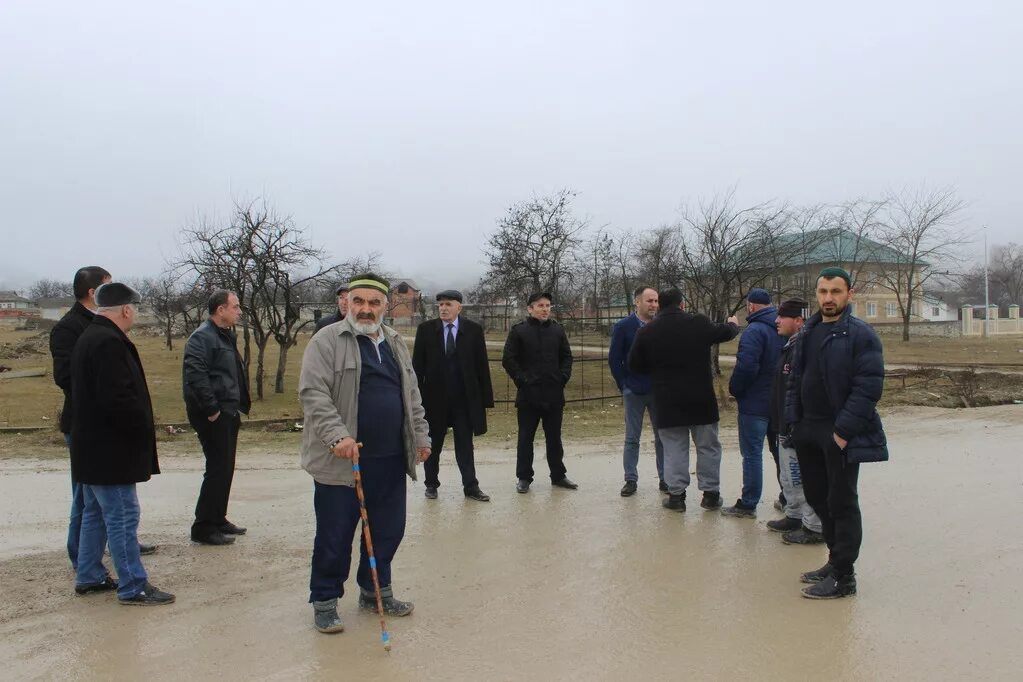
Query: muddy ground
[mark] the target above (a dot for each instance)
(550, 585)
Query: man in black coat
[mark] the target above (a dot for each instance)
(113, 447)
(216, 392)
(450, 359)
(538, 359)
(674, 350)
(836, 380)
(339, 314)
(63, 338)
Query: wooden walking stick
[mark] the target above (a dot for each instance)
(369, 548)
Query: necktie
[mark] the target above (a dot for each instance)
(449, 344)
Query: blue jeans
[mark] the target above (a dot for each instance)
(111, 516)
(74, 526)
(635, 404)
(752, 433)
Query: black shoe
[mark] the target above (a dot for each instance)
(147, 549)
(740, 511)
(675, 502)
(820, 574)
(104, 585)
(522, 486)
(784, 525)
(662, 486)
(564, 483)
(832, 587)
(392, 606)
(214, 538)
(325, 618)
(629, 489)
(477, 494)
(230, 529)
(803, 536)
(711, 500)
(149, 596)
(431, 493)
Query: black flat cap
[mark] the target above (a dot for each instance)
(533, 298)
(792, 308)
(115, 293)
(450, 295)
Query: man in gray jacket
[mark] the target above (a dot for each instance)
(359, 393)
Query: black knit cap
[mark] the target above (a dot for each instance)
(450, 295)
(792, 308)
(533, 298)
(833, 272)
(114, 294)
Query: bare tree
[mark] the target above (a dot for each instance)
(657, 258)
(533, 247)
(49, 288)
(1006, 271)
(918, 227)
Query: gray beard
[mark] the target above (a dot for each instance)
(369, 328)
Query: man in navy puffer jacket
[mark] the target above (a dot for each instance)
(759, 348)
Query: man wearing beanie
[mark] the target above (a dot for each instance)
(450, 359)
(113, 447)
(759, 347)
(837, 378)
(359, 394)
(339, 313)
(800, 526)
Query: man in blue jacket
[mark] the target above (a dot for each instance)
(836, 381)
(759, 348)
(636, 389)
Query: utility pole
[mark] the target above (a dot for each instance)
(987, 301)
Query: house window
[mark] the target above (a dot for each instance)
(934, 311)
(800, 281)
(891, 310)
(776, 284)
(871, 310)
(852, 309)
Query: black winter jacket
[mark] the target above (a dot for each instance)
(213, 377)
(674, 350)
(538, 359)
(63, 337)
(852, 364)
(113, 438)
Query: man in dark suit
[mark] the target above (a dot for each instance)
(63, 338)
(113, 447)
(538, 359)
(674, 350)
(450, 359)
(339, 314)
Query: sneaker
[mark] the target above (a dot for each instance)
(325, 618)
(663, 487)
(522, 487)
(811, 577)
(803, 536)
(629, 489)
(392, 606)
(784, 525)
(477, 494)
(105, 585)
(675, 502)
(832, 587)
(431, 492)
(739, 511)
(711, 500)
(149, 596)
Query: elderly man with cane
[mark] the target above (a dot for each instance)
(358, 390)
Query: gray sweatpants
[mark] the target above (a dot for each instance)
(676, 457)
(796, 506)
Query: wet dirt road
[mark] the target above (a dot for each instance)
(550, 585)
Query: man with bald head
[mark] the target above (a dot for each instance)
(359, 394)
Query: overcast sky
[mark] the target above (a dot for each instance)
(408, 128)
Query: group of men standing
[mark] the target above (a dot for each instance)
(109, 427)
(808, 386)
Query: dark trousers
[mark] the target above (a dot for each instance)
(829, 482)
(219, 441)
(337, 516)
(458, 419)
(530, 417)
(772, 445)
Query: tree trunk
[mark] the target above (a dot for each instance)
(282, 366)
(260, 352)
(168, 333)
(905, 327)
(246, 353)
